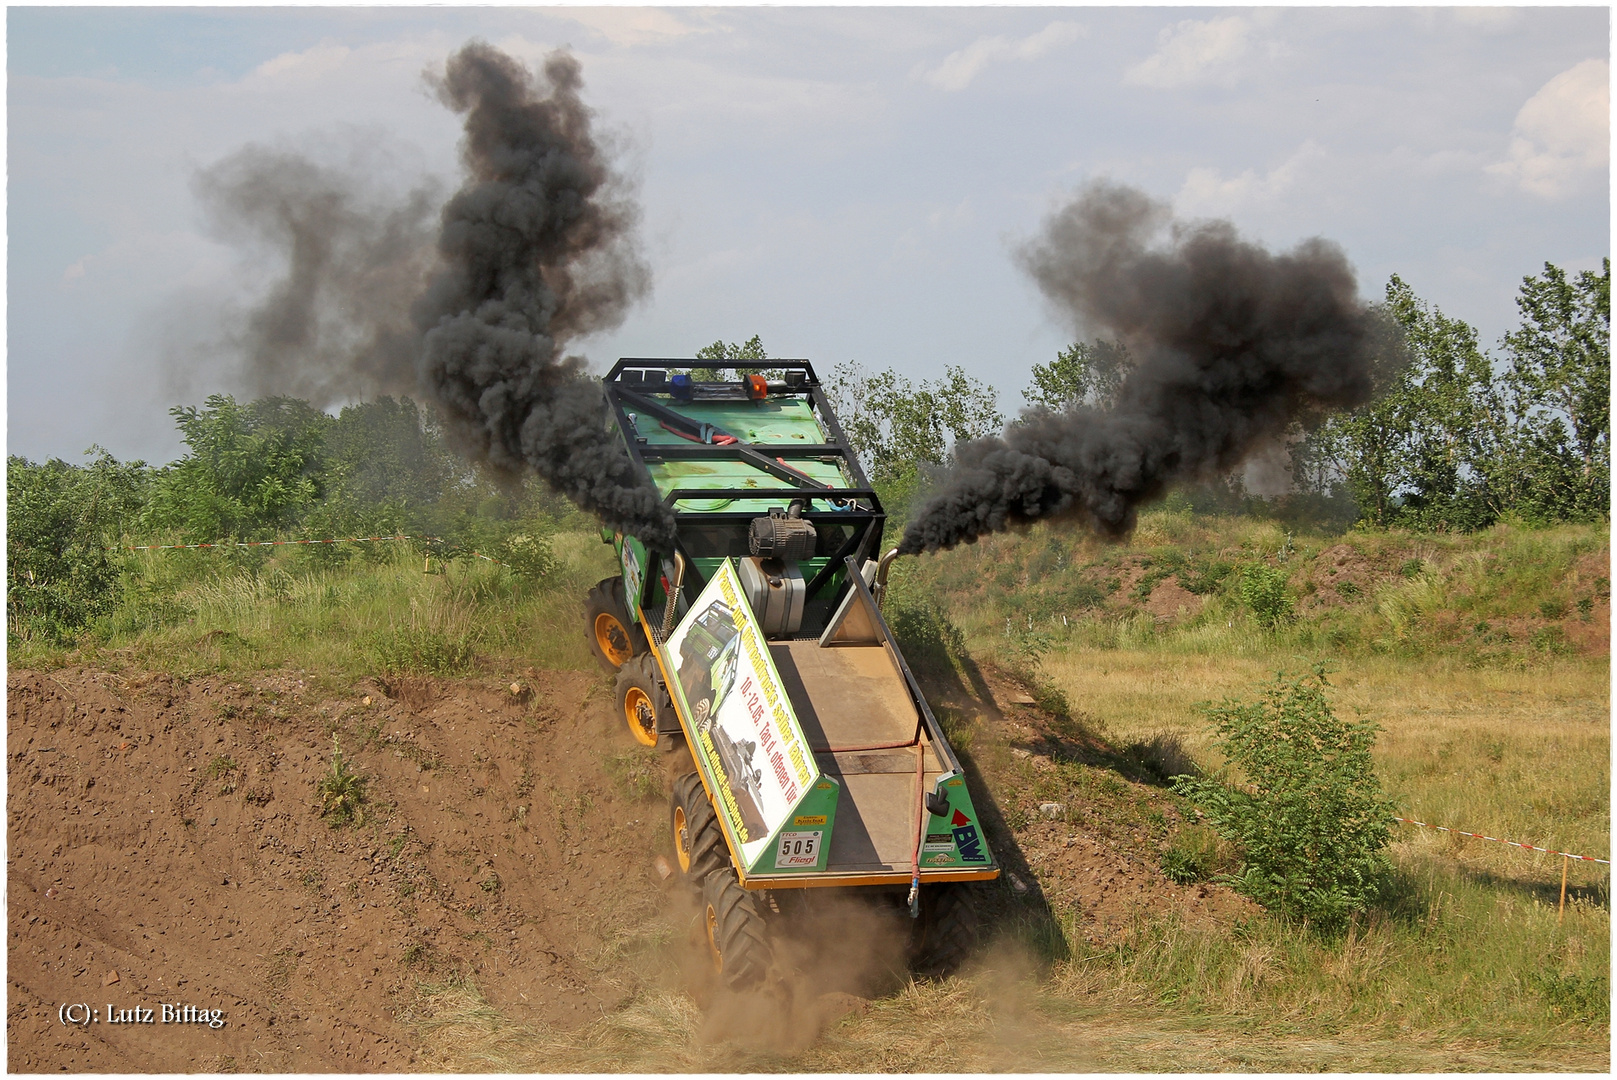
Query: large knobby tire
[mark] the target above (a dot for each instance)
(643, 700)
(735, 931)
(615, 638)
(947, 931)
(698, 842)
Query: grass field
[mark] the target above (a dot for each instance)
(1482, 658)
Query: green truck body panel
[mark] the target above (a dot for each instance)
(729, 695)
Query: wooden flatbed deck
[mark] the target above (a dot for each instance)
(853, 695)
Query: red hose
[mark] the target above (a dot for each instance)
(718, 440)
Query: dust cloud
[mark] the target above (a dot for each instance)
(1231, 342)
(833, 954)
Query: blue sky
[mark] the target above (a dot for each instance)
(849, 184)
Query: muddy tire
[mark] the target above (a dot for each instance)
(614, 637)
(735, 931)
(643, 701)
(947, 931)
(698, 842)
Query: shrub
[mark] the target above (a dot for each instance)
(529, 554)
(930, 639)
(61, 520)
(1190, 855)
(1263, 589)
(1572, 997)
(1309, 820)
(422, 651)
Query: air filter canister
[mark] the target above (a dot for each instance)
(781, 536)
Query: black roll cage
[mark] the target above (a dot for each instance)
(861, 507)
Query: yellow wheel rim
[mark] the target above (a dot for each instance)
(712, 939)
(641, 715)
(612, 638)
(682, 844)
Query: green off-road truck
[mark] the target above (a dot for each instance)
(807, 757)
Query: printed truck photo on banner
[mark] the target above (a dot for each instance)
(748, 740)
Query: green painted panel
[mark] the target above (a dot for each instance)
(767, 422)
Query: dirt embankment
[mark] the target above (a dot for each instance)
(166, 847)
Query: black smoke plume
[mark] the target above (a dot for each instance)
(337, 326)
(1231, 343)
(536, 248)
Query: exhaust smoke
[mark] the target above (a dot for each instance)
(337, 326)
(1231, 344)
(536, 248)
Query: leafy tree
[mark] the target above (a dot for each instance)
(251, 468)
(1454, 440)
(1558, 385)
(62, 524)
(753, 349)
(1424, 451)
(384, 465)
(1447, 420)
(1080, 374)
(1299, 799)
(900, 428)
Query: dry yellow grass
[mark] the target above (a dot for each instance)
(985, 1023)
(1517, 753)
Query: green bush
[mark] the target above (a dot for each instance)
(62, 570)
(929, 638)
(1191, 855)
(1306, 812)
(1263, 589)
(528, 553)
(423, 652)
(1572, 997)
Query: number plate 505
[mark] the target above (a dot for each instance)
(798, 849)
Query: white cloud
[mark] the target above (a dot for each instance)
(1207, 193)
(1198, 52)
(313, 63)
(633, 26)
(956, 70)
(1563, 133)
(1489, 20)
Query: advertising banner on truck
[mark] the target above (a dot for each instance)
(748, 739)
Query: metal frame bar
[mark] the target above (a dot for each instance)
(864, 510)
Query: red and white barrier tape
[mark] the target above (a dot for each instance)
(278, 543)
(275, 543)
(1497, 840)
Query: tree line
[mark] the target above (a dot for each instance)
(272, 468)
(1455, 439)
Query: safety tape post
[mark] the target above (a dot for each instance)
(1497, 840)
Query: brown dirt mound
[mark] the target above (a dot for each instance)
(1171, 601)
(170, 833)
(1341, 574)
(166, 846)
